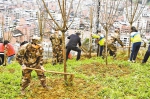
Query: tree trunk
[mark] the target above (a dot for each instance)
(5, 59)
(64, 55)
(90, 43)
(129, 42)
(97, 16)
(106, 47)
(98, 47)
(97, 23)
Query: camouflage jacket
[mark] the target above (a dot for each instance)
(113, 39)
(56, 40)
(30, 55)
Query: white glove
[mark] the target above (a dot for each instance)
(43, 68)
(24, 67)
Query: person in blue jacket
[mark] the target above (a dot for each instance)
(136, 43)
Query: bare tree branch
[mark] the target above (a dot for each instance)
(51, 15)
(50, 24)
(69, 10)
(127, 16)
(134, 11)
(61, 10)
(141, 10)
(74, 14)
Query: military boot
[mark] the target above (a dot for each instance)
(22, 92)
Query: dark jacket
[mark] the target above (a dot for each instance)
(74, 40)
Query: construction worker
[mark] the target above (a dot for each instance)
(101, 39)
(110, 43)
(136, 43)
(56, 41)
(30, 56)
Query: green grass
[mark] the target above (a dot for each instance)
(135, 85)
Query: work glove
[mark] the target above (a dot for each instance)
(43, 69)
(24, 67)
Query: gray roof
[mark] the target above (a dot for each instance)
(17, 33)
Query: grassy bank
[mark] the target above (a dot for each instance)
(120, 79)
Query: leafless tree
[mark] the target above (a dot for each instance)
(63, 25)
(134, 9)
(91, 23)
(107, 15)
(41, 23)
(97, 5)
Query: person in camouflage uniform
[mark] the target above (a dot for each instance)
(56, 41)
(111, 44)
(30, 55)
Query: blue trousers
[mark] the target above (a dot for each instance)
(134, 51)
(10, 58)
(100, 50)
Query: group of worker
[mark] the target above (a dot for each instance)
(111, 48)
(136, 41)
(30, 55)
(74, 40)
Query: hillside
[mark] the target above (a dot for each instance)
(120, 79)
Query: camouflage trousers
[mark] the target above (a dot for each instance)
(112, 49)
(57, 55)
(26, 77)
